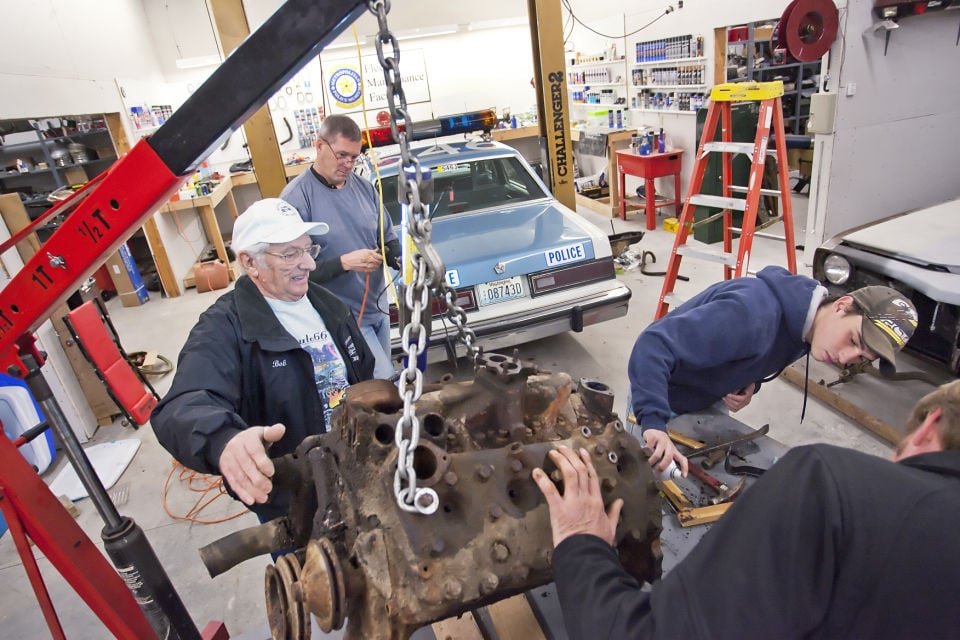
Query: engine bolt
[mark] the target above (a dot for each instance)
(437, 546)
(452, 589)
(608, 484)
(488, 583)
(556, 475)
(516, 465)
(495, 511)
(450, 478)
(483, 472)
(500, 551)
(600, 449)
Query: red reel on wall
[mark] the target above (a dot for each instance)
(808, 28)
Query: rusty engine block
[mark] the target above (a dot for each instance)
(359, 558)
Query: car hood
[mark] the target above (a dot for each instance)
(926, 236)
(518, 238)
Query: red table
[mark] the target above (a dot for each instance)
(655, 165)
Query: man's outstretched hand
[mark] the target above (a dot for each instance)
(580, 508)
(245, 464)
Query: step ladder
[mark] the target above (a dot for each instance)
(735, 264)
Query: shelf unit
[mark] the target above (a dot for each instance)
(676, 84)
(36, 158)
(757, 53)
(597, 84)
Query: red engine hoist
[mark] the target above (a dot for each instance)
(97, 219)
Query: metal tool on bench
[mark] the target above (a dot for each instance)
(724, 492)
(742, 469)
(715, 452)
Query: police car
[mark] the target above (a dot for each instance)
(524, 266)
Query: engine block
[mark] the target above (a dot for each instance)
(359, 558)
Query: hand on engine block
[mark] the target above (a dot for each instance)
(580, 508)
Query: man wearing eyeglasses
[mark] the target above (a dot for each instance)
(352, 267)
(266, 365)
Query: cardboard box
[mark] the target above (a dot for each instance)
(126, 278)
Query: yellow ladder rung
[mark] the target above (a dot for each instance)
(746, 91)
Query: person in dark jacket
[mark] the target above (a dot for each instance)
(266, 365)
(721, 344)
(829, 543)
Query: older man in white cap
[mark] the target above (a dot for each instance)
(266, 365)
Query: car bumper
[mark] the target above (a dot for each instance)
(517, 328)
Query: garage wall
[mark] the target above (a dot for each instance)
(698, 17)
(897, 121)
(61, 57)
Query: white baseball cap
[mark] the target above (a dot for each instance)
(273, 221)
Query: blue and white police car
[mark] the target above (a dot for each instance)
(524, 266)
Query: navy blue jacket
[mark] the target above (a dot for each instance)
(830, 543)
(734, 333)
(241, 368)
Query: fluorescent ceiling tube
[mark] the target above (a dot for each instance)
(427, 32)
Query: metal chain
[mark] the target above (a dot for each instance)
(409, 497)
(428, 271)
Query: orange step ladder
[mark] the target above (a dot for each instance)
(735, 264)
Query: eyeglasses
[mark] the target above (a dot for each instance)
(291, 256)
(342, 157)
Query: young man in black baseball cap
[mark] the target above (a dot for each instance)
(719, 346)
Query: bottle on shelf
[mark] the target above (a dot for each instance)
(661, 142)
(645, 145)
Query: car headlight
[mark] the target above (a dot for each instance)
(836, 269)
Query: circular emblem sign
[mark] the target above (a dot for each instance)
(345, 87)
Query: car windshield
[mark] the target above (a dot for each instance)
(472, 185)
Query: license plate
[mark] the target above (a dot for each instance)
(500, 291)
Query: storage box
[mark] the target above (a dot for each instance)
(20, 412)
(126, 278)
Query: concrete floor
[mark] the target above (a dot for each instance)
(598, 352)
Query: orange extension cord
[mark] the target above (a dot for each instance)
(199, 483)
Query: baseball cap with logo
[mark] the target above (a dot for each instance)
(272, 221)
(889, 320)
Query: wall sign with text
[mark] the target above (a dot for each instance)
(349, 87)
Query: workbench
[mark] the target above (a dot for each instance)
(649, 167)
(206, 208)
(676, 541)
(208, 217)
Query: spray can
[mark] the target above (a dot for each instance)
(661, 142)
(672, 472)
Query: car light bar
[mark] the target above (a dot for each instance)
(483, 120)
(465, 301)
(566, 277)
